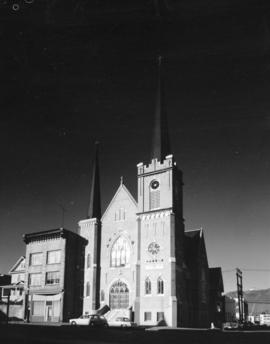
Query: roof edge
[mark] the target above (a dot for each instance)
(121, 186)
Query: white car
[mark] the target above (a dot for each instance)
(90, 320)
(122, 322)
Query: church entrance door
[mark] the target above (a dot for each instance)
(119, 295)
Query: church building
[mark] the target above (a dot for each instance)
(139, 261)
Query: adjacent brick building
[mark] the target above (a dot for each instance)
(54, 275)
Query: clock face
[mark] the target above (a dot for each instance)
(153, 248)
(154, 184)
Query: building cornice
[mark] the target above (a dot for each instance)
(155, 211)
(50, 234)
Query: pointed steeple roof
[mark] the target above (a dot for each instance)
(94, 210)
(161, 142)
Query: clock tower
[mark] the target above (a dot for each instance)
(160, 288)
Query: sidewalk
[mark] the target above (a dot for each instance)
(13, 322)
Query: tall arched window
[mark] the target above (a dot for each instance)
(120, 253)
(87, 291)
(88, 263)
(147, 286)
(160, 286)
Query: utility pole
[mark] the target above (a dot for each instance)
(239, 282)
(8, 303)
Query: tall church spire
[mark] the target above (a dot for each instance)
(94, 210)
(161, 142)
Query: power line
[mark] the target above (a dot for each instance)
(254, 270)
(257, 302)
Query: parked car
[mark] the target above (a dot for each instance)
(122, 322)
(230, 326)
(90, 320)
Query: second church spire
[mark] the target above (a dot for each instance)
(94, 210)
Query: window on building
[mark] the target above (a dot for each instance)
(5, 292)
(160, 316)
(154, 194)
(88, 263)
(203, 292)
(102, 295)
(35, 279)
(147, 286)
(87, 291)
(53, 257)
(120, 252)
(38, 308)
(120, 215)
(203, 285)
(147, 316)
(53, 277)
(35, 258)
(203, 274)
(56, 306)
(160, 286)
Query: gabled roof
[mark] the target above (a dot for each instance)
(194, 233)
(194, 246)
(122, 187)
(14, 267)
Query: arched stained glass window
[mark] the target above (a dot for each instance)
(119, 295)
(147, 286)
(160, 286)
(120, 253)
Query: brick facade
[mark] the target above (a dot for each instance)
(54, 275)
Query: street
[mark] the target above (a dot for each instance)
(66, 334)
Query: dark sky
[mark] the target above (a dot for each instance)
(71, 74)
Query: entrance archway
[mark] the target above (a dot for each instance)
(119, 295)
